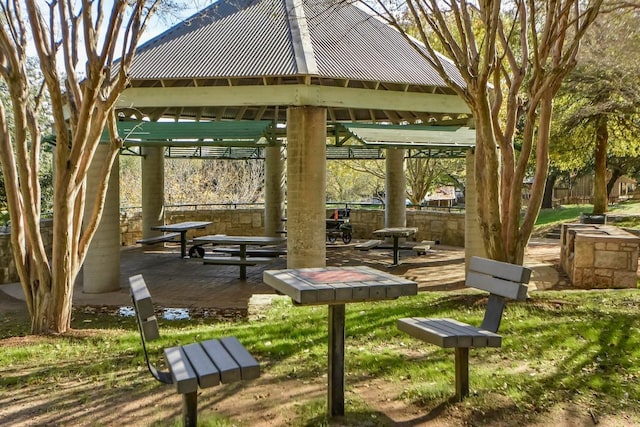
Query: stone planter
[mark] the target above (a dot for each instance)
(599, 256)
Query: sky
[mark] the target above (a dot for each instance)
(159, 23)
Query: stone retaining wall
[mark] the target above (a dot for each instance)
(8, 273)
(242, 222)
(444, 227)
(7, 264)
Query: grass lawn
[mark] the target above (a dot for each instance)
(565, 354)
(548, 218)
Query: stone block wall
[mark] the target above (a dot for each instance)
(243, 222)
(445, 227)
(8, 273)
(130, 228)
(448, 228)
(599, 256)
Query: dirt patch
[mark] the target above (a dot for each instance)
(270, 401)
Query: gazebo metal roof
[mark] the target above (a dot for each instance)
(269, 38)
(251, 59)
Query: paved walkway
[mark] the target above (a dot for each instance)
(175, 282)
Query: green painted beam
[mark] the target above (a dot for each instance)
(193, 133)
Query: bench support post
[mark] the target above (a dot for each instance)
(336, 360)
(396, 250)
(462, 372)
(243, 268)
(183, 244)
(190, 409)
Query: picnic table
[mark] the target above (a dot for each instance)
(182, 228)
(242, 259)
(335, 287)
(396, 233)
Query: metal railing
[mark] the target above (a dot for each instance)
(259, 205)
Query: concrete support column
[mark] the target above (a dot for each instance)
(152, 190)
(306, 186)
(395, 189)
(101, 268)
(274, 185)
(473, 244)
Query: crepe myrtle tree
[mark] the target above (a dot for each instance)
(512, 56)
(82, 96)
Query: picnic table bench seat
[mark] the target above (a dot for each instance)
(265, 252)
(502, 280)
(422, 247)
(197, 365)
(369, 244)
(235, 260)
(167, 237)
(197, 249)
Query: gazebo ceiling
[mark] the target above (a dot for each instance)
(251, 59)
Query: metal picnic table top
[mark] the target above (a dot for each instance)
(336, 286)
(182, 228)
(396, 233)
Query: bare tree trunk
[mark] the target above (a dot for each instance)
(62, 261)
(420, 175)
(79, 117)
(487, 169)
(547, 198)
(600, 199)
(615, 174)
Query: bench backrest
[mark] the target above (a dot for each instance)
(143, 307)
(147, 322)
(502, 280)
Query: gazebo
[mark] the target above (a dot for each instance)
(293, 82)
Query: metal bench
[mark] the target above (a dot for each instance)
(502, 280)
(369, 244)
(168, 237)
(203, 364)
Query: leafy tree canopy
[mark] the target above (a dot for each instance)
(605, 83)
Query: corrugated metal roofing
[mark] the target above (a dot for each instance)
(246, 139)
(350, 43)
(253, 41)
(257, 38)
(417, 136)
(228, 133)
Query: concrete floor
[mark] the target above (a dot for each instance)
(187, 283)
